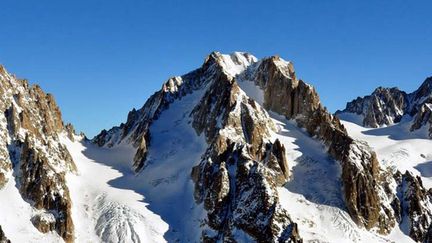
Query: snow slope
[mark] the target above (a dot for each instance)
(155, 205)
(396, 146)
(313, 196)
(101, 212)
(15, 215)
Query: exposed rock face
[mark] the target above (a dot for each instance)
(46, 188)
(3, 238)
(30, 124)
(70, 131)
(44, 222)
(293, 98)
(428, 238)
(387, 106)
(423, 118)
(136, 128)
(363, 189)
(283, 93)
(413, 206)
(237, 178)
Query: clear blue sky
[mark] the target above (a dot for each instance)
(102, 58)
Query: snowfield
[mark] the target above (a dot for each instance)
(101, 212)
(111, 203)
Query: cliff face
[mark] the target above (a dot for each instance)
(31, 151)
(387, 106)
(405, 195)
(238, 175)
(384, 107)
(284, 94)
(413, 205)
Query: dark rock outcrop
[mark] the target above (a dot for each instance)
(296, 100)
(3, 238)
(428, 238)
(70, 131)
(423, 118)
(46, 189)
(30, 124)
(413, 205)
(236, 177)
(385, 106)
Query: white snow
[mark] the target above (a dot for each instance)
(397, 147)
(102, 212)
(313, 195)
(236, 62)
(252, 90)
(351, 117)
(16, 214)
(111, 203)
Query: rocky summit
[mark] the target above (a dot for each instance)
(238, 150)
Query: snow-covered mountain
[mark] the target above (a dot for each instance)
(398, 127)
(387, 106)
(238, 150)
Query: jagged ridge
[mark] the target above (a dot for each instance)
(30, 148)
(387, 106)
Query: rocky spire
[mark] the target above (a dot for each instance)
(241, 160)
(413, 205)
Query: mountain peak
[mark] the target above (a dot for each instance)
(424, 91)
(233, 63)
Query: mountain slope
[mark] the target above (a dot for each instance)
(33, 163)
(102, 212)
(401, 135)
(406, 158)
